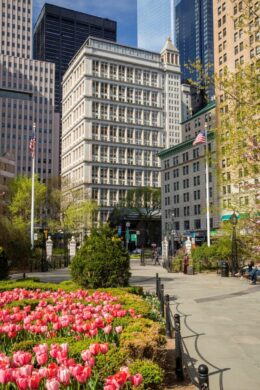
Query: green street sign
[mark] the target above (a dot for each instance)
(133, 237)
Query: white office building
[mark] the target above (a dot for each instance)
(121, 106)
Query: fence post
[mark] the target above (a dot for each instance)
(158, 288)
(168, 316)
(178, 359)
(162, 300)
(203, 377)
(156, 283)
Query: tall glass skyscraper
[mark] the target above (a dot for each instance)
(194, 36)
(155, 23)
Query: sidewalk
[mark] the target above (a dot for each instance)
(220, 323)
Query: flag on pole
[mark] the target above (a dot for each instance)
(200, 139)
(32, 145)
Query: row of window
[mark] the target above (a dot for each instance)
(124, 94)
(125, 135)
(187, 225)
(185, 158)
(35, 68)
(124, 73)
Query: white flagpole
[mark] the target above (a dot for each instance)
(32, 202)
(207, 186)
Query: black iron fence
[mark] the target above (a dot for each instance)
(199, 377)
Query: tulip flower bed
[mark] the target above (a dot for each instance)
(72, 340)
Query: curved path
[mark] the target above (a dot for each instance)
(220, 323)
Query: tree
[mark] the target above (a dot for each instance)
(20, 201)
(101, 261)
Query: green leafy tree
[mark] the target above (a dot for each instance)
(20, 201)
(101, 261)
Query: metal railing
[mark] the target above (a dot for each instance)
(199, 377)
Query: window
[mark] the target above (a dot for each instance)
(186, 225)
(197, 224)
(196, 209)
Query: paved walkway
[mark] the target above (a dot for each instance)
(220, 321)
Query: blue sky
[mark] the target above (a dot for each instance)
(122, 11)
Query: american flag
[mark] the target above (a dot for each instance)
(200, 139)
(32, 146)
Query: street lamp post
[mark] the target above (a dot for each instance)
(233, 220)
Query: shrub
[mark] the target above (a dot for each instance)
(153, 375)
(144, 339)
(178, 262)
(101, 261)
(111, 362)
(3, 265)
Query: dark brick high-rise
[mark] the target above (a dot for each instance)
(60, 32)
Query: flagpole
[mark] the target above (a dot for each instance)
(207, 186)
(32, 200)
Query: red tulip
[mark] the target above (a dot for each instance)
(94, 348)
(34, 381)
(103, 348)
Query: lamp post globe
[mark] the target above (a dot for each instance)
(233, 219)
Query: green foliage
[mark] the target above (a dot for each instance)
(29, 284)
(3, 264)
(153, 375)
(111, 362)
(20, 205)
(15, 242)
(101, 261)
(208, 258)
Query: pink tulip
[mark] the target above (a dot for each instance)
(42, 358)
(64, 348)
(52, 384)
(136, 379)
(118, 329)
(43, 372)
(22, 383)
(64, 376)
(86, 355)
(107, 329)
(41, 348)
(5, 375)
(111, 387)
(26, 370)
(91, 362)
(21, 358)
